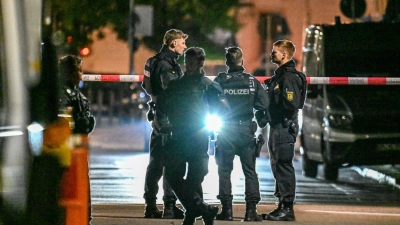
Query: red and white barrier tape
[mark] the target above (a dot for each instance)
(310, 80)
(354, 80)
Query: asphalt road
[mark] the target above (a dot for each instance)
(117, 169)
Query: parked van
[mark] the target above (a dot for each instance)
(352, 124)
(28, 100)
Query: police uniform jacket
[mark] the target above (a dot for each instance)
(244, 93)
(159, 71)
(285, 93)
(84, 121)
(188, 100)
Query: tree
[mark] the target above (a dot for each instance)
(77, 19)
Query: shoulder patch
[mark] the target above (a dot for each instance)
(289, 95)
(147, 68)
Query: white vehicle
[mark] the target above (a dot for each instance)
(28, 81)
(353, 124)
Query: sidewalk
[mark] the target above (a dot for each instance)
(305, 214)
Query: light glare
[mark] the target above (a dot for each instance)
(213, 123)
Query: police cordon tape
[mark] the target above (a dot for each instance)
(310, 80)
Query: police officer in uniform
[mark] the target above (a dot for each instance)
(185, 105)
(159, 71)
(71, 71)
(70, 68)
(236, 137)
(286, 91)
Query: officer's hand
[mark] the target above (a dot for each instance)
(150, 115)
(82, 125)
(262, 118)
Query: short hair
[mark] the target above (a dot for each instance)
(196, 53)
(69, 65)
(286, 45)
(234, 56)
(173, 34)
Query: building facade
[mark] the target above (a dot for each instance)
(262, 23)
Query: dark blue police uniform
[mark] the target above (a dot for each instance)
(286, 90)
(244, 94)
(184, 107)
(160, 70)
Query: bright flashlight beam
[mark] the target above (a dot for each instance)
(213, 123)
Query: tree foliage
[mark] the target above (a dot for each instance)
(198, 18)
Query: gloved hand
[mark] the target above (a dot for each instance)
(82, 125)
(150, 114)
(262, 118)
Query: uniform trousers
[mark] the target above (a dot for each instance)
(186, 166)
(237, 138)
(155, 171)
(281, 150)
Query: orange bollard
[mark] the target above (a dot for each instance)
(75, 185)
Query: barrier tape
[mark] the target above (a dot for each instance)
(310, 80)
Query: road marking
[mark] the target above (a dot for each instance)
(340, 189)
(354, 213)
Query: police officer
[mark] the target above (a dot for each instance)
(71, 72)
(286, 90)
(236, 137)
(185, 105)
(159, 71)
(70, 68)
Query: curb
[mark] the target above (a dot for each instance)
(375, 174)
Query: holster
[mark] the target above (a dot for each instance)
(292, 125)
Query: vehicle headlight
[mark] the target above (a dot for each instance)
(213, 123)
(340, 121)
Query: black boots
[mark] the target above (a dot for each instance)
(226, 213)
(171, 211)
(209, 214)
(273, 212)
(151, 211)
(251, 212)
(285, 213)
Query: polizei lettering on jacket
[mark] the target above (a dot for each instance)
(236, 91)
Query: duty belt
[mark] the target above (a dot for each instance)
(285, 124)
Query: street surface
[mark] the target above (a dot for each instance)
(118, 165)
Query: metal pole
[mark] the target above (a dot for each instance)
(131, 35)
